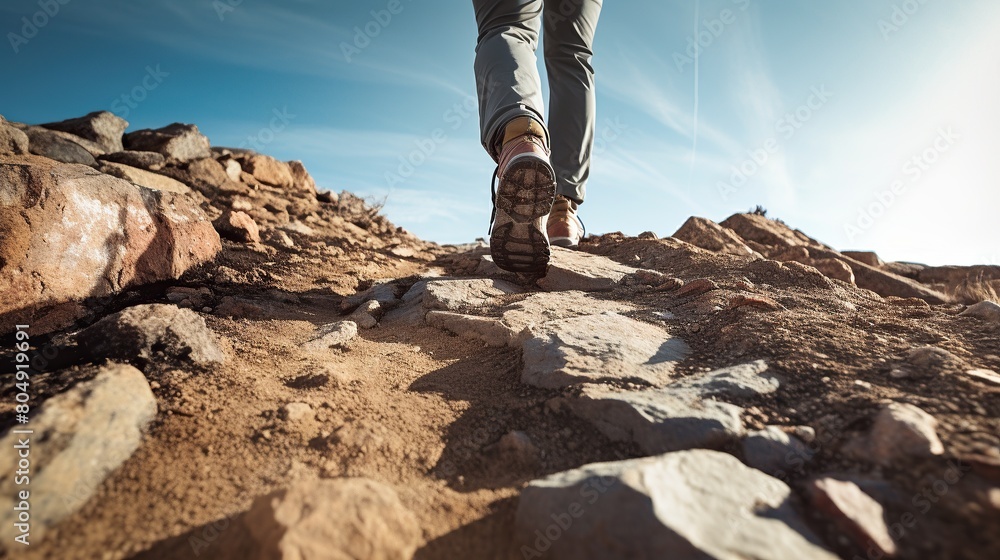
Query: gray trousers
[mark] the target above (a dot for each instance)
(508, 84)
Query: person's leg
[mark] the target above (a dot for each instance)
(568, 42)
(513, 132)
(506, 72)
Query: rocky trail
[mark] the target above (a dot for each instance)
(227, 362)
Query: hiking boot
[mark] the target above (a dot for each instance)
(564, 227)
(521, 203)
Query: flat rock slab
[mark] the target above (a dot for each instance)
(489, 330)
(148, 332)
(72, 233)
(457, 294)
(575, 270)
(538, 309)
(686, 505)
(341, 518)
(595, 348)
(660, 420)
(80, 437)
(150, 161)
(740, 381)
(144, 178)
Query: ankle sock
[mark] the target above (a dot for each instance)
(521, 126)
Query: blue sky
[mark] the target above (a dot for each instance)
(868, 124)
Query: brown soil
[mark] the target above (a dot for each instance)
(419, 409)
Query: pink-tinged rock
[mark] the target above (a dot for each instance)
(696, 287)
(709, 235)
(12, 140)
(868, 257)
(71, 233)
(833, 268)
(767, 232)
(303, 181)
(902, 431)
(237, 226)
(268, 170)
(854, 513)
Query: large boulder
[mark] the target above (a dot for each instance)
(342, 518)
(687, 505)
(177, 142)
(79, 438)
(71, 233)
(101, 127)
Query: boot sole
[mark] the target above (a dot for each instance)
(518, 242)
(563, 242)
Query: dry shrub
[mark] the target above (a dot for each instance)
(974, 289)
